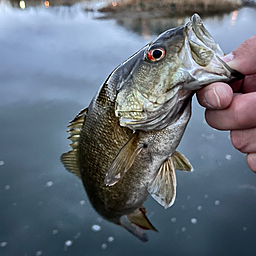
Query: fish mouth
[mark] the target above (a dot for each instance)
(202, 45)
(201, 56)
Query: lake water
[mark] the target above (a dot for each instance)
(52, 62)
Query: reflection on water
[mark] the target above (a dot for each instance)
(147, 27)
(23, 4)
(52, 63)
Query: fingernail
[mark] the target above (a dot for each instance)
(211, 98)
(227, 58)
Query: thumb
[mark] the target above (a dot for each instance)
(243, 58)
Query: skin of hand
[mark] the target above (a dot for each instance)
(233, 107)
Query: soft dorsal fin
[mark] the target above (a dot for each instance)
(180, 162)
(123, 160)
(163, 186)
(70, 158)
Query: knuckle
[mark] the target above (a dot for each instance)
(238, 141)
(251, 161)
(238, 116)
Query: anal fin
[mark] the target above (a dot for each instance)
(180, 162)
(163, 186)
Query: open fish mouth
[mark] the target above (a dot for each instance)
(201, 44)
(204, 49)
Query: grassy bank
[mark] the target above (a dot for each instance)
(173, 6)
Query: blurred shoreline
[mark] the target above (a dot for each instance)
(140, 8)
(170, 7)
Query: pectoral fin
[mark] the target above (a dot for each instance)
(180, 162)
(123, 161)
(163, 187)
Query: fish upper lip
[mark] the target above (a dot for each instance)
(198, 34)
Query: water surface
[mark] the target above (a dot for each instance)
(52, 62)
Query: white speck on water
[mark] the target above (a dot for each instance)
(244, 228)
(228, 157)
(96, 228)
(217, 202)
(82, 202)
(77, 235)
(3, 244)
(193, 220)
(188, 197)
(68, 243)
(38, 253)
(183, 229)
(173, 220)
(104, 246)
(49, 184)
(110, 239)
(199, 208)
(208, 137)
(55, 232)
(183, 207)
(99, 219)
(206, 196)
(1, 162)
(7, 187)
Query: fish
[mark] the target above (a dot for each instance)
(124, 143)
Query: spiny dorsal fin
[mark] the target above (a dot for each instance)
(180, 162)
(139, 218)
(163, 186)
(70, 158)
(123, 160)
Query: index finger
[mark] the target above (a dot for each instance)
(243, 58)
(241, 114)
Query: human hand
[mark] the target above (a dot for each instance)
(233, 107)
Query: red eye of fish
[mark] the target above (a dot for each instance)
(156, 54)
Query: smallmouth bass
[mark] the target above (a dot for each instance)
(124, 144)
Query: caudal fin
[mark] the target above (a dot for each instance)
(136, 223)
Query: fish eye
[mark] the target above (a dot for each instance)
(156, 54)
